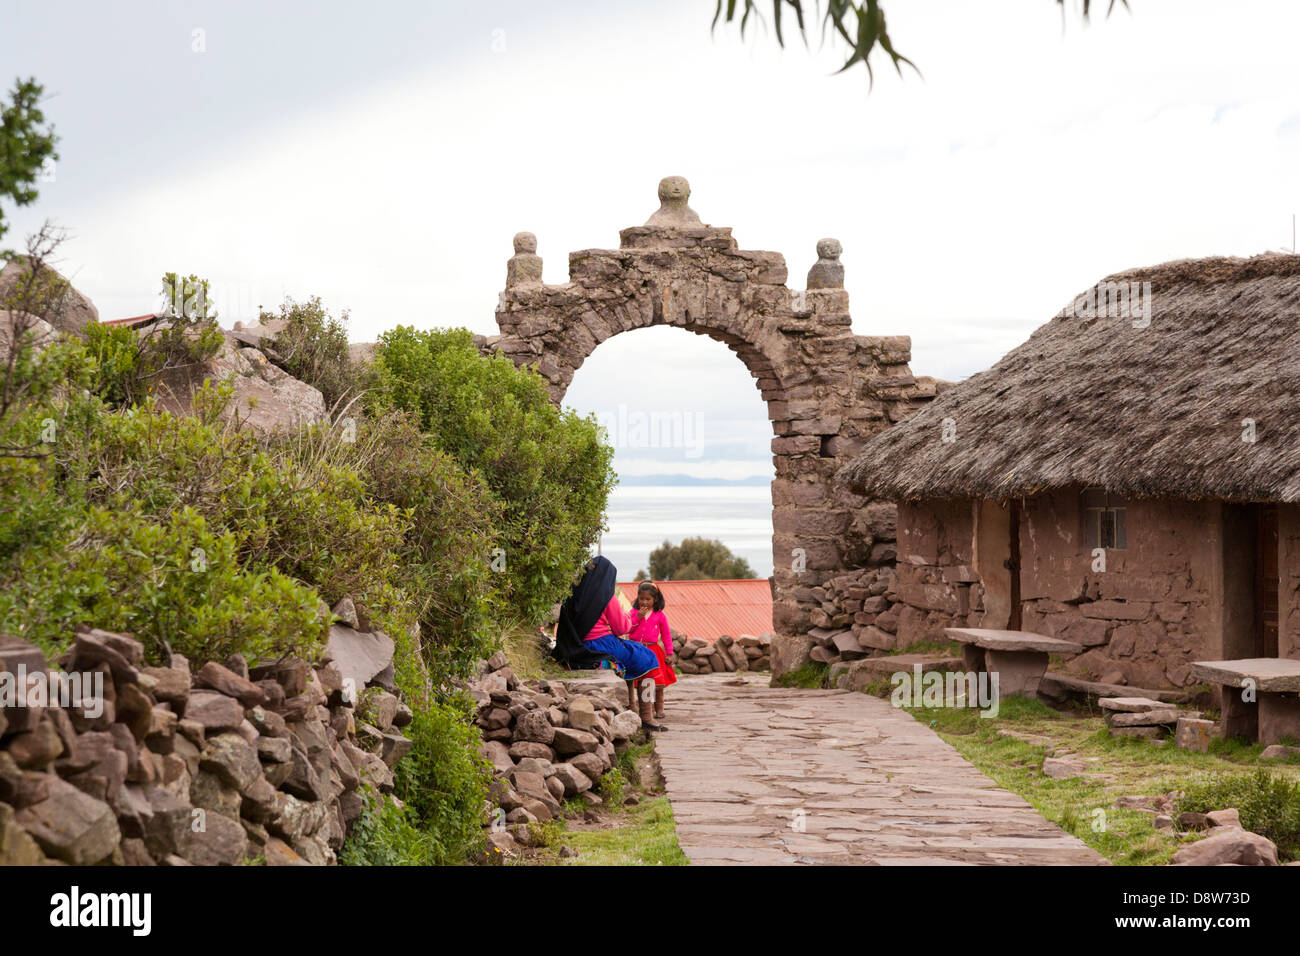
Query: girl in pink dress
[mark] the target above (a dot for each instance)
(650, 627)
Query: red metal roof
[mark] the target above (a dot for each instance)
(709, 609)
(133, 320)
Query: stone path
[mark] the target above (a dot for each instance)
(870, 785)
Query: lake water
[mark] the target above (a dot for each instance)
(642, 518)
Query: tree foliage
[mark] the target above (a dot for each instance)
(26, 143)
(548, 469)
(695, 559)
(860, 24)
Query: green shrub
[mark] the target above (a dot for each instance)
(313, 347)
(613, 786)
(442, 558)
(175, 585)
(1268, 804)
(119, 363)
(386, 835)
(129, 361)
(444, 780)
(548, 468)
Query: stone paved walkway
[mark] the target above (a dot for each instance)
(872, 785)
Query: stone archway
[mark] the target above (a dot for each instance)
(827, 390)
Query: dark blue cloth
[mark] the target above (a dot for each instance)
(637, 660)
(579, 613)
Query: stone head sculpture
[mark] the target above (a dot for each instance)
(674, 191)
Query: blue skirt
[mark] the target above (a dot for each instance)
(634, 660)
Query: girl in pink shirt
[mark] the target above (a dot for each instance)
(651, 628)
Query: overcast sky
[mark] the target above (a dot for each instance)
(382, 156)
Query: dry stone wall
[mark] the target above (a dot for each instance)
(175, 766)
(548, 741)
(827, 390)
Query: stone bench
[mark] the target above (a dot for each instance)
(1019, 658)
(1275, 711)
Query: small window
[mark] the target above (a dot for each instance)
(1104, 520)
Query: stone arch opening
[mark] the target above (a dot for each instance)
(693, 409)
(826, 389)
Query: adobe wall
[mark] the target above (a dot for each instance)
(1157, 605)
(1152, 610)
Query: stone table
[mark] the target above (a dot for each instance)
(1019, 658)
(1275, 711)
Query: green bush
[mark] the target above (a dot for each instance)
(1268, 804)
(548, 468)
(175, 585)
(613, 786)
(443, 781)
(313, 347)
(451, 527)
(386, 835)
(129, 361)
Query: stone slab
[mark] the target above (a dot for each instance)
(1131, 705)
(1271, 674)
(997, 640)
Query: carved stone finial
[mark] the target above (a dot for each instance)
(827, 272)
(525, 266)
(673, 211)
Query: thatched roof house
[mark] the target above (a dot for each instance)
(1138, 411)
(1128, 478)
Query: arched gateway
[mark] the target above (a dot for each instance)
(826, 389)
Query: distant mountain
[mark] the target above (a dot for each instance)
(641, 481)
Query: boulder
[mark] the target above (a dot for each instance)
(568, 741)
(17, 847)
(582, 714)
(71, 826)
(64, 307)
(213, 676)
(36, 748)
(359, 655)
(213, 711)
(172, 687)
(265, 397)
(1223, 818)
(573, 780)
(625, 724)
(789, 653)
(232, 759)
(527, 748)
(498, 755)
(590, 764)
(1192, 734)
(533, 726)
(1228, 845)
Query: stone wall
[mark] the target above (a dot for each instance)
(548, 741)
(827, 389)
(748, 652)
(169, 766)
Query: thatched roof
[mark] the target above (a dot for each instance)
(1153, 411)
